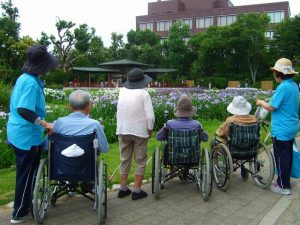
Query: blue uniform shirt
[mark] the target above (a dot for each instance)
(79, 124)
(28, 93)
(285, 100)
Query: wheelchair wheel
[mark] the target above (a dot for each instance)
(222, 166)
(101, 193)
(156, 180)
(41, 192)
(263, 167)
(205, 181)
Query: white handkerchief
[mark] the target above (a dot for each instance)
(73, 151)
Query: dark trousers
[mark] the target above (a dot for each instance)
(26, 164)
(283, 153)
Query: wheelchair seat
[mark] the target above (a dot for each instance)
(243, 140)
(81, 168)
(183, 146)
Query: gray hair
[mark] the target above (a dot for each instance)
(79, 99)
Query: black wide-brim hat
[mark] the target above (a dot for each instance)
(136, 79)
(39, 60)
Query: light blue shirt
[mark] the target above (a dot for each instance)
(77, 123)
(28, 93)
(285, 100)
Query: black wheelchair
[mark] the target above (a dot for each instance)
(243, 149)
(57, 175)
(180, 155)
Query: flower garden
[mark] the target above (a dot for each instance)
(211, 112)
(211, 105)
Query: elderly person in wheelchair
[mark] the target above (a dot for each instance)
(236, 144)
(181, 152)
(72, 161)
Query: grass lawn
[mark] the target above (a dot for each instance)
(7, 176)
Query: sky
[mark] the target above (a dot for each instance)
(105, 16)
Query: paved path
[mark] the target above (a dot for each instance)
(180, 204)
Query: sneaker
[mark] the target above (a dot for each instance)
(275, 188)
(15, 219)
(138, 195)
(122, 193)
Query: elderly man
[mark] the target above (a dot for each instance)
(78, 122)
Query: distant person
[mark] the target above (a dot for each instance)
(284, 106)
(26, 124)
(135, 121)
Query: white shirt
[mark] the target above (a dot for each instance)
(135, 115)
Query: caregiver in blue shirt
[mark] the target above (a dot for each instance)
(26, 124)
(284, 105)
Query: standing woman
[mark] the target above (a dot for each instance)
(284, 106)
(26, 124)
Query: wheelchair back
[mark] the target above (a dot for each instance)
(243, 140)
(81, 168)
(183, 146)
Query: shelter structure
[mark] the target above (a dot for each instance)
(95, 70)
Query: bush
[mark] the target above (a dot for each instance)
(5, 96)
(219, 82)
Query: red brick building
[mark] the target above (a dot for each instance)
(201, 14)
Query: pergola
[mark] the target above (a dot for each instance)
(95, 70)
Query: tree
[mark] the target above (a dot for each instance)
(71, 44)
(144, 46)
(9, 34)
(176, 50)
(286, 38)
(116, 50)
(251, 42)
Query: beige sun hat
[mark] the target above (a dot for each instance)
(184, 107)
(284, 66)
(239, 106)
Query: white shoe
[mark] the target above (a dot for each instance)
(15, 220)
(275, 188)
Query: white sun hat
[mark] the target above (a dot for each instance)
(239, 106)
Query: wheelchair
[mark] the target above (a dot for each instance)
(243, 150)
(180, 155)
(57, 175)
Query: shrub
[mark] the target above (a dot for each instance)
(4, 96)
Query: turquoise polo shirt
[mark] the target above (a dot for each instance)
(28, 93)
(285, 100)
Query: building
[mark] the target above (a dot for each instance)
(201, 14)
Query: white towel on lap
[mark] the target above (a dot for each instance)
(73, 151)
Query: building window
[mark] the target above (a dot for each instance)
(226, 20)
(188, 22)
(163, 25)
(204, 22)
(276, 17)
(269, 34)
(146, 26)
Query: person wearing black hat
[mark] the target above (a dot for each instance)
(26, 124)
(135, 121)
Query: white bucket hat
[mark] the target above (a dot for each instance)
(284, 66)
(239, 106)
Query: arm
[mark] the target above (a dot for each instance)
(266, 105)
(203, 135)
(150, 118)
(27, 105)
(160, 134)
(103, 144)
(223, 130)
